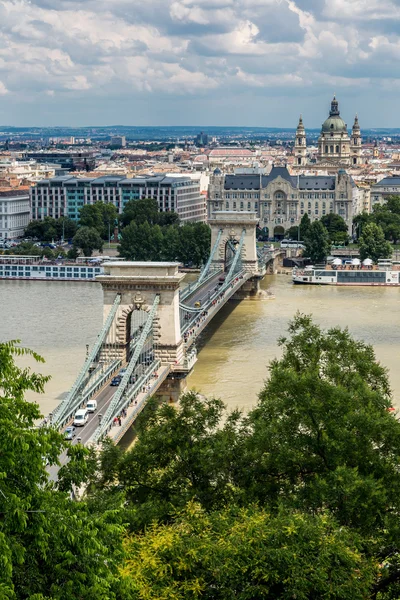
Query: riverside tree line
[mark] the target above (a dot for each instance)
(300, 498)
(375, 233)
(146, 233)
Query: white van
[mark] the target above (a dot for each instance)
(91, 406)
(81, 417)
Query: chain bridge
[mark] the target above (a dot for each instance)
(151, 324)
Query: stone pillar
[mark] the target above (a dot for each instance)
(232, 225)
(172, 389)
(139, 283)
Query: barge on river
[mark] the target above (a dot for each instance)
(34, 269)
(384, 274)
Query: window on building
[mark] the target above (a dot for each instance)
(241, 206)
(331, 149)
(337, 149)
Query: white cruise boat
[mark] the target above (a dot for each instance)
(351, 273)
(32, 268)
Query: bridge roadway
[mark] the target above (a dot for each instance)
(201, 294)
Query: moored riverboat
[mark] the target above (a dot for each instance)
(366, 274)
(35, 269)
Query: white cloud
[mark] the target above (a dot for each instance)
(93, 49)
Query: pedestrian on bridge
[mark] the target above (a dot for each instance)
(119, 421)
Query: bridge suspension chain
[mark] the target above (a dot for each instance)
(73, 399)
(238, 255)
(204, 275)
(117, 401)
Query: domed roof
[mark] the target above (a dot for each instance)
(217, 171)
(334, 123)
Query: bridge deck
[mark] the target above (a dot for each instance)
(211, 309)
(117, 432)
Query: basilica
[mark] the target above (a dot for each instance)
(336, 148)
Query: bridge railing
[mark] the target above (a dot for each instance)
(194, 285)
(132, 398)
(92, 389)
(66, 405)
(115, 405)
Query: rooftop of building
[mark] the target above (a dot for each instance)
(302, 182)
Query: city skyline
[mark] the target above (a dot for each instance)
(198, 62)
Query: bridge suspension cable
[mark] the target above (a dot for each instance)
(73, 399)
(238, 255)
(203, 274)
(118, 400)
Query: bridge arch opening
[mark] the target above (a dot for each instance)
(230, 250)
(279, 232)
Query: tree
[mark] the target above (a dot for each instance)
(140, 211)
(50, 546)
(182, 453)
(247, 554)
(324, 437)
(88, 239)
(359, 222)
(141, 242)
(336, 227)
(147, 211)
(305, 225)
(171, 243)
(100, 216)
(293, 233)
(372, 243)
(317, 243)
(194, 243)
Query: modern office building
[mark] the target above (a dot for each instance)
(14, 212)
(281, 199)
(64, 196)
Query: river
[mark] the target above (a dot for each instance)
(58, 319)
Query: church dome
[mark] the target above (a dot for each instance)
(334, 123)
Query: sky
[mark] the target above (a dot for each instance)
(198, 62)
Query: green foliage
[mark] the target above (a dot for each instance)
(336, 227)
(146, 211)
(189, 243)
(100, 216)
(50, 229)
(50, 546)
(247, 554)
(182, 453)
(372, 243)
(305, 225)
(293, 233)
(387, 216)
(87, 239)
(317, 243)
(359, 222)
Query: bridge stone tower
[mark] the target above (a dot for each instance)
(229, 226)
(138, 283)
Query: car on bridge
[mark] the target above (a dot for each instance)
(116, 380)
(69, 433)
(81, 417)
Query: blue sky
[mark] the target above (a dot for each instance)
(198, 62)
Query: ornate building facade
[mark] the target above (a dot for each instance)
(335, 146)
(281, 199)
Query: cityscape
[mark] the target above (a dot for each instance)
(199, 383)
